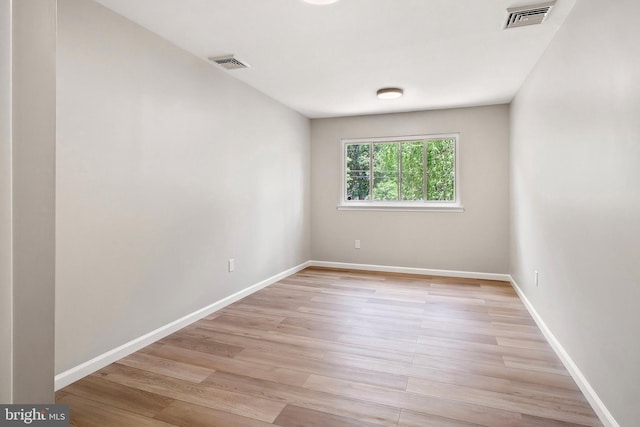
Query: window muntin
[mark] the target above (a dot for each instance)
(419, 171)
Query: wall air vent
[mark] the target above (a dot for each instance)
(528, 15)
(229, 62)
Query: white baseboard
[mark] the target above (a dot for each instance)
(411, 270)
(598, 406)
(67, 377)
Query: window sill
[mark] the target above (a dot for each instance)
(399, 207)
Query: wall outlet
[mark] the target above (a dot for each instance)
(357, 244)
(232, 265)
(536, 277)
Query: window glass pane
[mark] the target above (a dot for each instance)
(358, 171)
(412, 168)
(441, 169)
(385, 171)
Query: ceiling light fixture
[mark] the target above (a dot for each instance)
(320, 2)
(390, 93)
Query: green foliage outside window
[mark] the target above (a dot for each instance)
(412, 170)
(404, 171)
(441, 169)
(385, 171)
(358, 163)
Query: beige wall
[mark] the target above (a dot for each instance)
(475, 241)
(575, 200)
(5, 203)
(167, 167)
(27, 173)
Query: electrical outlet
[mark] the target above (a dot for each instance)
(536, 277)
(357, 244)
(232, 265)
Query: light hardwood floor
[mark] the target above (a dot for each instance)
(330, 348)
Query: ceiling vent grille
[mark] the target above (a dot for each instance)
(528, 15)
(229, 62)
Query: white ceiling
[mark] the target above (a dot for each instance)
(327, 61)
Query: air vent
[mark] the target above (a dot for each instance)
(229, 62)
(528, 15)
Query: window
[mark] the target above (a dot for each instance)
(404, 173)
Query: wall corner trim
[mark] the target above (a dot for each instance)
(74, 374)
(598, 406)
(411, 270)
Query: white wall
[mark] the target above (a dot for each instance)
(5, 203)
(476, 240)
(575, 199)
(167, 167)
(27, 208)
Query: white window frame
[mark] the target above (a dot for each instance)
(401, 205)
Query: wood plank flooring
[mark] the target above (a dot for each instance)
(333, 348)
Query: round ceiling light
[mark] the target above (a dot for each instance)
(320, 2)
(390, 93)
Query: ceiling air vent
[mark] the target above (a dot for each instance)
(528, 15)
(229, 62)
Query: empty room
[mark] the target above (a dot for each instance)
(290, 213)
